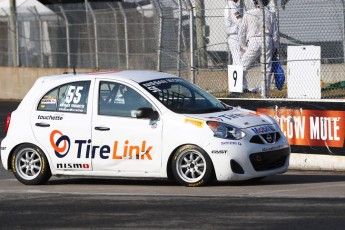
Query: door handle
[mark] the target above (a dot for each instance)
(100, 128)
(42, 124)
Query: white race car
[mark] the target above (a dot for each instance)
(137, 124)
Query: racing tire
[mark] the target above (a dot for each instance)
(30, 165)
(192, 167)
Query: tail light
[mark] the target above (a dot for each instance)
(8, 120)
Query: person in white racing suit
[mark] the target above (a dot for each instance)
(250, 36)
(232, 19)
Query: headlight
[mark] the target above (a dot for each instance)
(225, 131)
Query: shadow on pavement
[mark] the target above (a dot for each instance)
(292, 177)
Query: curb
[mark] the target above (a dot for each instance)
(316, 162)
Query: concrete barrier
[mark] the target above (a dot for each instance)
(16, 82)
(314, 162)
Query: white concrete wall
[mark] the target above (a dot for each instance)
(16, 82)
(315, 162)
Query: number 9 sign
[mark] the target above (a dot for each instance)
(235, 78)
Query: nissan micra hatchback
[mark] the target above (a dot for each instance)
(137, 124)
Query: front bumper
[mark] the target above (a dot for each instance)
(271, 160)
(248, 160)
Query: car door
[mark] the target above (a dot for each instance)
(121, 142)
(62, 125)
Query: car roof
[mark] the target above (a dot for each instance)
(133, 75)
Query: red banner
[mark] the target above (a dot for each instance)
(310, 127)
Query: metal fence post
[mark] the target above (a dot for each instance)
(263, 53)
(8, 34)
(88, 32)
(179, 30)
(68, 46)
(276, 11)
(116, 35)
(38, 18)
(95, 34)
(14, 33)
(200, 32)
(126, 33)
(142, 27)
(191, 28)
(159, 51)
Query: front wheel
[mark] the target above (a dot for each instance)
(192, 166)
(30, 165)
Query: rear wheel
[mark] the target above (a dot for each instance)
(30, 165)
(192, 166)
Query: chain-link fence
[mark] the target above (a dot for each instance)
(103, 35)
(186, 37)
(311, 38)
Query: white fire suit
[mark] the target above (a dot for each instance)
(250, 36)
(232, 19)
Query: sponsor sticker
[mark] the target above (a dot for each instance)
(272, 148)
(219, 151)
(64, 107)
(116, 151)
(72, 166)
(231, 143)
(50, 117)
(234, 116)
(153, 86)
(48, 101)
(195, 122)
(263, 129)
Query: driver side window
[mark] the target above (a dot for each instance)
(117, 99)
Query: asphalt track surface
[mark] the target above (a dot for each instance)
(294, 200)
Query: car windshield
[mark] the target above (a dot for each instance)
(180, 96)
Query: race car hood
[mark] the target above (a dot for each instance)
(238, 117)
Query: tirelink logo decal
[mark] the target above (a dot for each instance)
(120, 151)
(60, 151)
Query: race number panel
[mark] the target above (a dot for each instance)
(235, 78)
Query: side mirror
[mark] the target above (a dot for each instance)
(147, 113)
